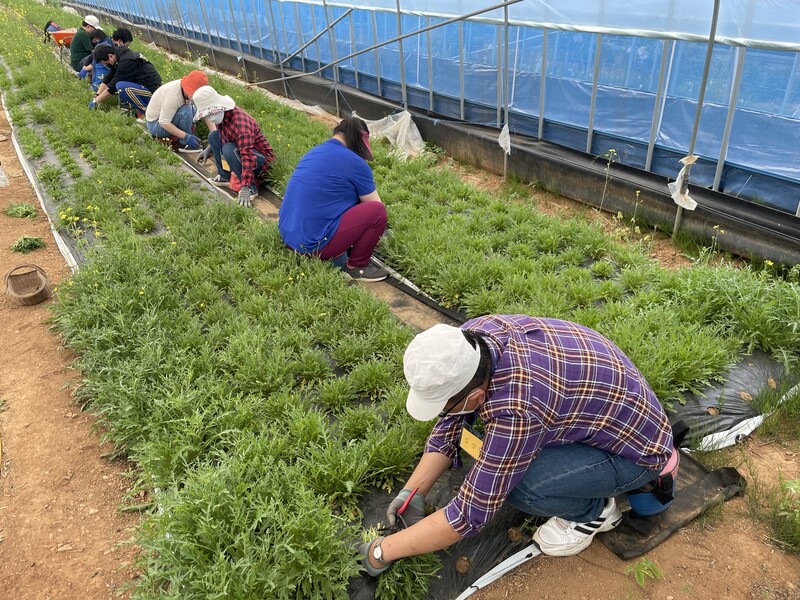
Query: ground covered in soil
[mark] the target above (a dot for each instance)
(62, 534)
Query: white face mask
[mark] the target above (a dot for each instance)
(217, 117)
(464, 411)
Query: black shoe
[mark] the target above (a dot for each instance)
(367, 273)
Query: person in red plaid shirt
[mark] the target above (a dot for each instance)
(235, 138)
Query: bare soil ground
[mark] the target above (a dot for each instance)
(62, 536)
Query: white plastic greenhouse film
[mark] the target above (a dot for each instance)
(753, 23)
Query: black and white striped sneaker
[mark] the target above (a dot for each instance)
(559, 537)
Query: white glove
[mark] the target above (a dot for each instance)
(244, 196)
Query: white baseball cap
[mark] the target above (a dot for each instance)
(438, 363)
(92, 20)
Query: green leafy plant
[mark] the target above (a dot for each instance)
(30, 142)
(643, 569)
(27, 244)
(786, 519)
(407, 578)
(21, 210)
(610, 156)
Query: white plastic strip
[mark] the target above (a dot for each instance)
(723, 439)
(60, 243)
(504, 567)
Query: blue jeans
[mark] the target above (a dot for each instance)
(230, 152)
(573, 481)
(183, 120)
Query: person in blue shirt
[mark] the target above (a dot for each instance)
(331, 208)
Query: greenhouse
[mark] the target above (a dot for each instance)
(623, 85)
(618, 75)
(192, 407)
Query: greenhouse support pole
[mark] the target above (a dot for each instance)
(276, 48)
(316, 37)
(542, 84)
(333, 58)
(658, 104)
(165, 23)
(185, 28)
(145, 23)
(164, 26)
(787, 95)
(430, 65)
(700, 98)
(299, 28)
(208, 29)
(257, 19)
(228, 39)
(514, 70)
(403, 90)
(593, 101)
(377, 54)
(238, 41)
(461, 70)
(353, 44)
(316, 44)
(283, 27)
(738, 69)
(160, 18)
(505, 85)
(499, 80)
(246, 25)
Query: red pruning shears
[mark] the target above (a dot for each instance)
(400, 524)
(403, 508)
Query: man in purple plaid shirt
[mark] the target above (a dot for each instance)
(569, 424)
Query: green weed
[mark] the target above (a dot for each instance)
(21, 210)
(31, 143)
(27, 244)
(642, 570)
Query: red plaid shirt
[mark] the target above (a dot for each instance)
(241, 129)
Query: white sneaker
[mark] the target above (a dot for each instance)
(559, 537)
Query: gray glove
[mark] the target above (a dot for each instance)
(363, 552)
(204, 155)
(414, 512)
(244, 196)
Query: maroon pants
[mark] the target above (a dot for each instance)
(359, 231)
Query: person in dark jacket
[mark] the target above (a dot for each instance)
(130, 74)
(81, 45)
(122, 37)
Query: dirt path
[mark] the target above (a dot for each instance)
(60, 533)
(724, 555)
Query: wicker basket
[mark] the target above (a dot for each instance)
(27, 284)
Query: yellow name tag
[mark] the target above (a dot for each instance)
(471, 443)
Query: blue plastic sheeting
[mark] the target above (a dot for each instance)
(759, 23)
(458, 70)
